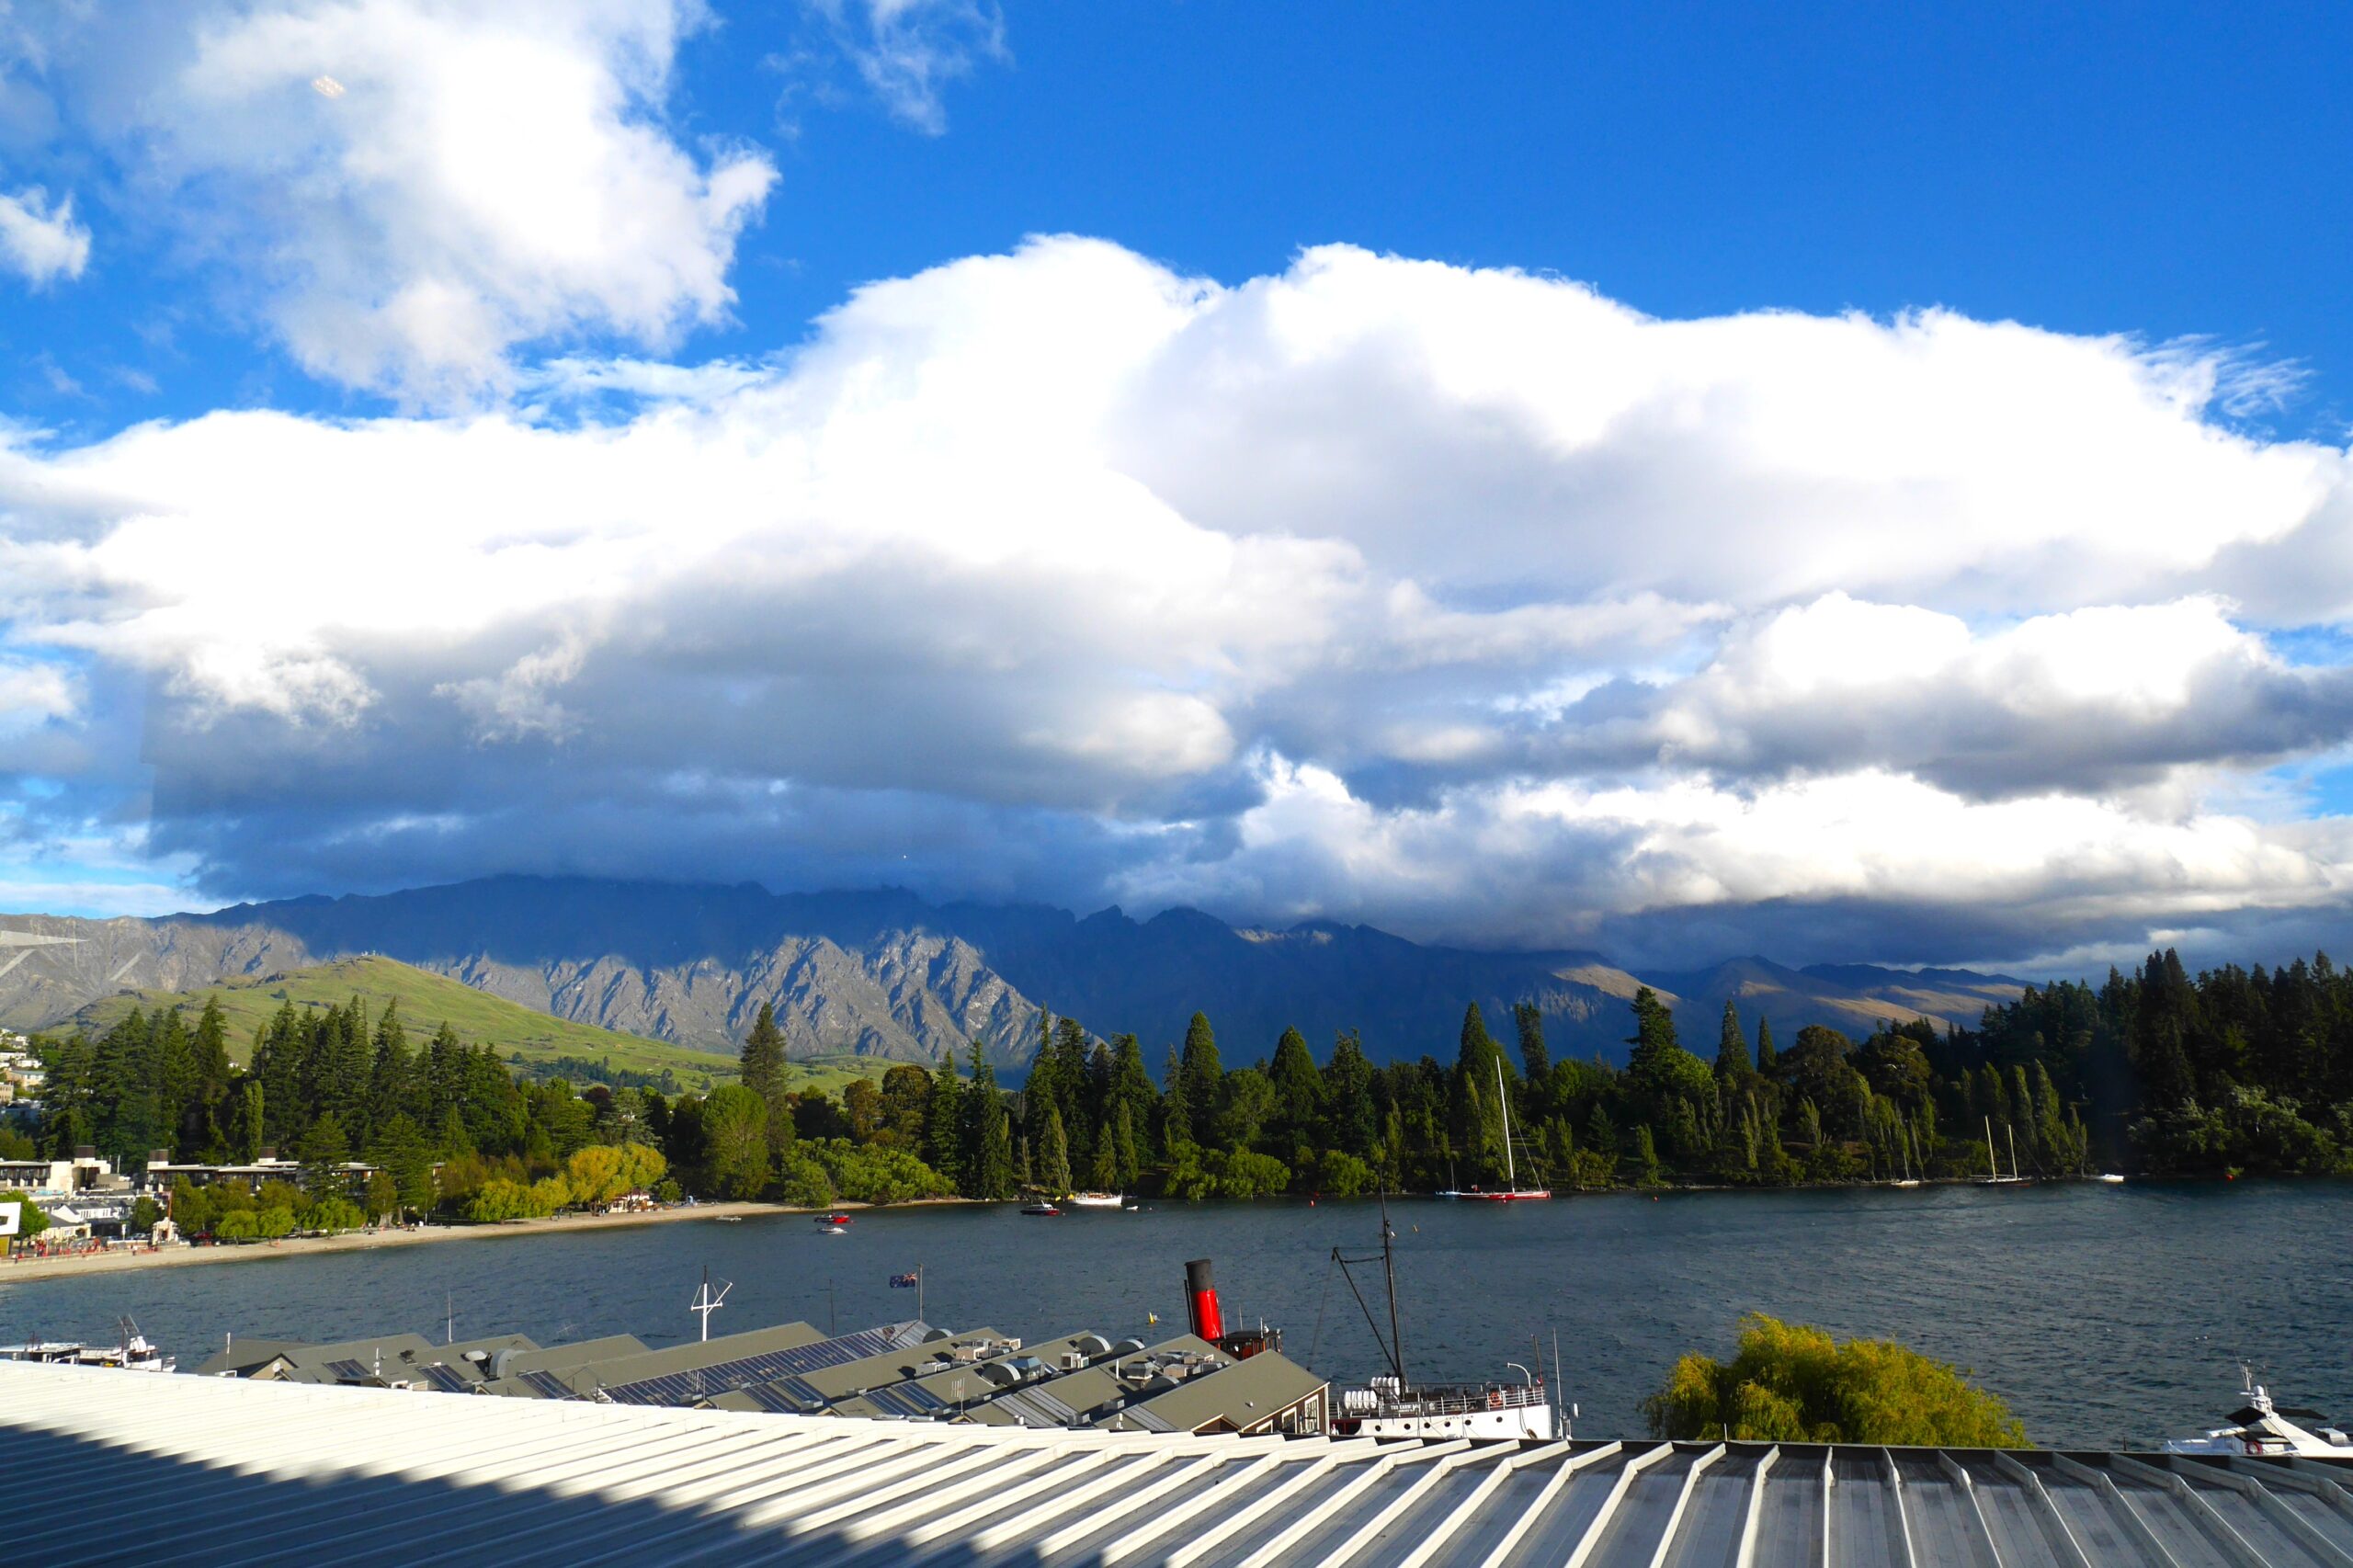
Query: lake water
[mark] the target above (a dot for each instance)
(2104, 1314)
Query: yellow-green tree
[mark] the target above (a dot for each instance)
(594, 1173)
(1791, 1382)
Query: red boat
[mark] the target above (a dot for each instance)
(832, 1219)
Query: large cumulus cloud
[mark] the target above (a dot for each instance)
(1471, 602)
(402, 191)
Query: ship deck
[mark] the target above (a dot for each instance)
(218, 1470)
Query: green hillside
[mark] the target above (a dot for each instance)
(427, 1001)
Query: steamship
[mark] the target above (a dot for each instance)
(1394, 1405)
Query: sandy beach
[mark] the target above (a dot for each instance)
(122, 1258)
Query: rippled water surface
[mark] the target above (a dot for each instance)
(2102, 1313)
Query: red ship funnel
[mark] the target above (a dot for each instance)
(1201, 1301)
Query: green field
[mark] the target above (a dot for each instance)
(427, 1001)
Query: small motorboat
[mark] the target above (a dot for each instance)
(1098, 1200)
(2259, 1427)
(135, 1353)
(1047, 1209)
(2110, 1177)
(834, 1220)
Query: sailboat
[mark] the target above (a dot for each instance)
(1904, 1145)
(1514, 1192)
(1994, 1165)
(1393, 1405)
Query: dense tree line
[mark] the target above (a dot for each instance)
(2236, 1069)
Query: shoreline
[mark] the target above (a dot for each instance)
(127, 1258)
(177, 1256)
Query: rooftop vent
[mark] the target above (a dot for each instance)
(1093, 1347)
(1127, 1347)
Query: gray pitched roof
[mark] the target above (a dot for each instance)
(230, 1471)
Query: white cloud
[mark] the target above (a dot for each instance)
(479, 178)
(907, 52)
(1471, 602)
(39, 240)
(33, 693)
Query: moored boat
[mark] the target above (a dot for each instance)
(1394, 1405)
(1098, 1199)
(133, 1353)
(1513, 1193)
(2260, 1426)
(1046, 1209)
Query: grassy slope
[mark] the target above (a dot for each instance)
(427, 1001)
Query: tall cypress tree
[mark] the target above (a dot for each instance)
(1202, 1074)
(209, 1050)
(1529, 1018)
(1768, 1061)
(1732, 1063)
(1053, 1157)
(1476, 1109)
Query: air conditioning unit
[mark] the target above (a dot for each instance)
(1073, 1360)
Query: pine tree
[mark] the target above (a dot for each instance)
(988, 1135)
(1768, 1062)
(1176, 1106)
(1354, 1121)
(210, 1051)
(1070, 1088)
(389, 1089)
(762, 1071)
(943, 1133)
(1103, 1171)
(400, 1153)
(1299, 1092)
(278, 1059)
(325, 1150)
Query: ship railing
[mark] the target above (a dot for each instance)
(1462, 1399)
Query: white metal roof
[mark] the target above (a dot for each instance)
(215, 1471)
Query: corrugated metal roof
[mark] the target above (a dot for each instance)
(222, 1470)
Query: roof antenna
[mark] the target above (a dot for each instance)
(706, 1303)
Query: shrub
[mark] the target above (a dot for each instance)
(1789, 1383)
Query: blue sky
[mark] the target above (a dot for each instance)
(1389, 500)
(2166, 171)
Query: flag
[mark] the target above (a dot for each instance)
(902, 1282)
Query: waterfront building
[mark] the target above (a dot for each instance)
(162, 1172)
(46, 1179)
(907, 1370)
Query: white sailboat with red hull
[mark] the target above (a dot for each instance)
(1513, 1193)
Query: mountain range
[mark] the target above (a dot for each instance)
(885, 973)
